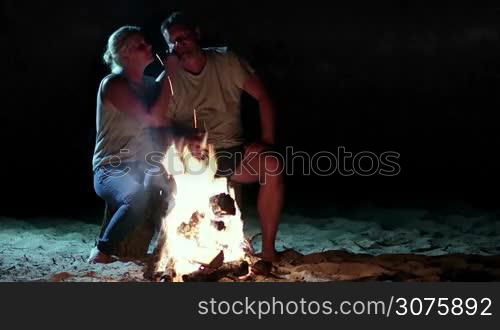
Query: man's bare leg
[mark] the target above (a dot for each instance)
(267, 170)
(270, 204)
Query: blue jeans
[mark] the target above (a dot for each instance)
(130, 190)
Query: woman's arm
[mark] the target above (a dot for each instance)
(117, 91)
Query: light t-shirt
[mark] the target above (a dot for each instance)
(215, 94)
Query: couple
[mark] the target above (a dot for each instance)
(131, 105)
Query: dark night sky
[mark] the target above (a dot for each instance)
(417, 80)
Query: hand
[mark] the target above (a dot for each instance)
(195, 143)
(171, 63)
(198, 144)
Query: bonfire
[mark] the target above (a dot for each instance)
(202, 228)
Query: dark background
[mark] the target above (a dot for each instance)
(421, 81)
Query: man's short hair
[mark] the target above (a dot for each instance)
(178, 18)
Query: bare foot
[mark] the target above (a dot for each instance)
(98, 257)
(262, 267)
(270, 257)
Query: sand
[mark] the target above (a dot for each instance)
(363, 244)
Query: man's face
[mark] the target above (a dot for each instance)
(181, 40)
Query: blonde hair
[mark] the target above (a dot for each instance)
(117, 43)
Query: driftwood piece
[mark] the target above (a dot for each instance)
(232, 270)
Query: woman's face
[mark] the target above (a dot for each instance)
(139, 50)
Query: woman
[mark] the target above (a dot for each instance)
(128, 106)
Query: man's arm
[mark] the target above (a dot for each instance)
(254, 86)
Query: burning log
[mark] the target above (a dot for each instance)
(223, 204)
(233, 270)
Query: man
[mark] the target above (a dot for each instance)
(207, 86)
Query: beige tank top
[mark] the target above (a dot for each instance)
(120, 137)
